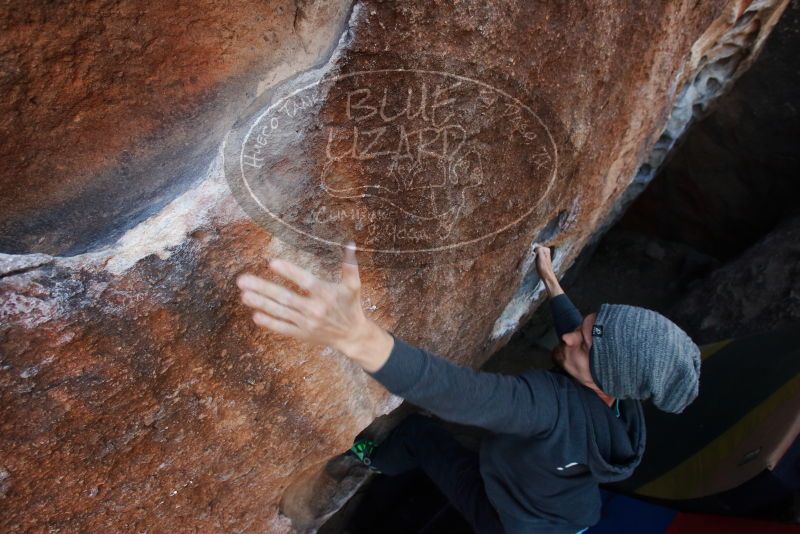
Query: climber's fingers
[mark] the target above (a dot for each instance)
(543, 259)
(296, 274)
(271, 307)
(350, 277)
(278, 293)
(277, 325)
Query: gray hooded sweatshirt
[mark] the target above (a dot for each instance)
(554, 440)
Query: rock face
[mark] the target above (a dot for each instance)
(738, 165)
(757, 292)
(113, 108)
(141, 159)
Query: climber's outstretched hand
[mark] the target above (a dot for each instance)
(330, 314)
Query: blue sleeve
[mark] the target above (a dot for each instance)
(566, 316)
(524, 404)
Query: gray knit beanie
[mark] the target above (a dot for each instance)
(638, 353)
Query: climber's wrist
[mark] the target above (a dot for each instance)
(369, 345)
(551, 284)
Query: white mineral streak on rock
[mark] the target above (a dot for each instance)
(11, 263)
(280, 523)
(20, 303)
(208, 202)
(389, 403)
(27, 311)
(169, 228)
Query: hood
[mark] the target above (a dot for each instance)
(616, 444)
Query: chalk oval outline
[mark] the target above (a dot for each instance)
(423, 71)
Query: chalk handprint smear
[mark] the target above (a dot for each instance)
(403, 161)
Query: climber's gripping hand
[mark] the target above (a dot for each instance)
(544, 266)
(330, 314)
(544, 263)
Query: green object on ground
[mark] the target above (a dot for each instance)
(363, 449)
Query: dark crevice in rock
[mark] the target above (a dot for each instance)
(552, 228)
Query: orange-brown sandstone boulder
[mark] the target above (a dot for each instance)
(151, 154)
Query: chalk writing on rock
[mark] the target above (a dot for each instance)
(400, 160)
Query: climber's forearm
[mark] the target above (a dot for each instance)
(566, 316)
(369, 346)
(497, 402)
(551, 284)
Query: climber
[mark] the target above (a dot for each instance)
(555, 434)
